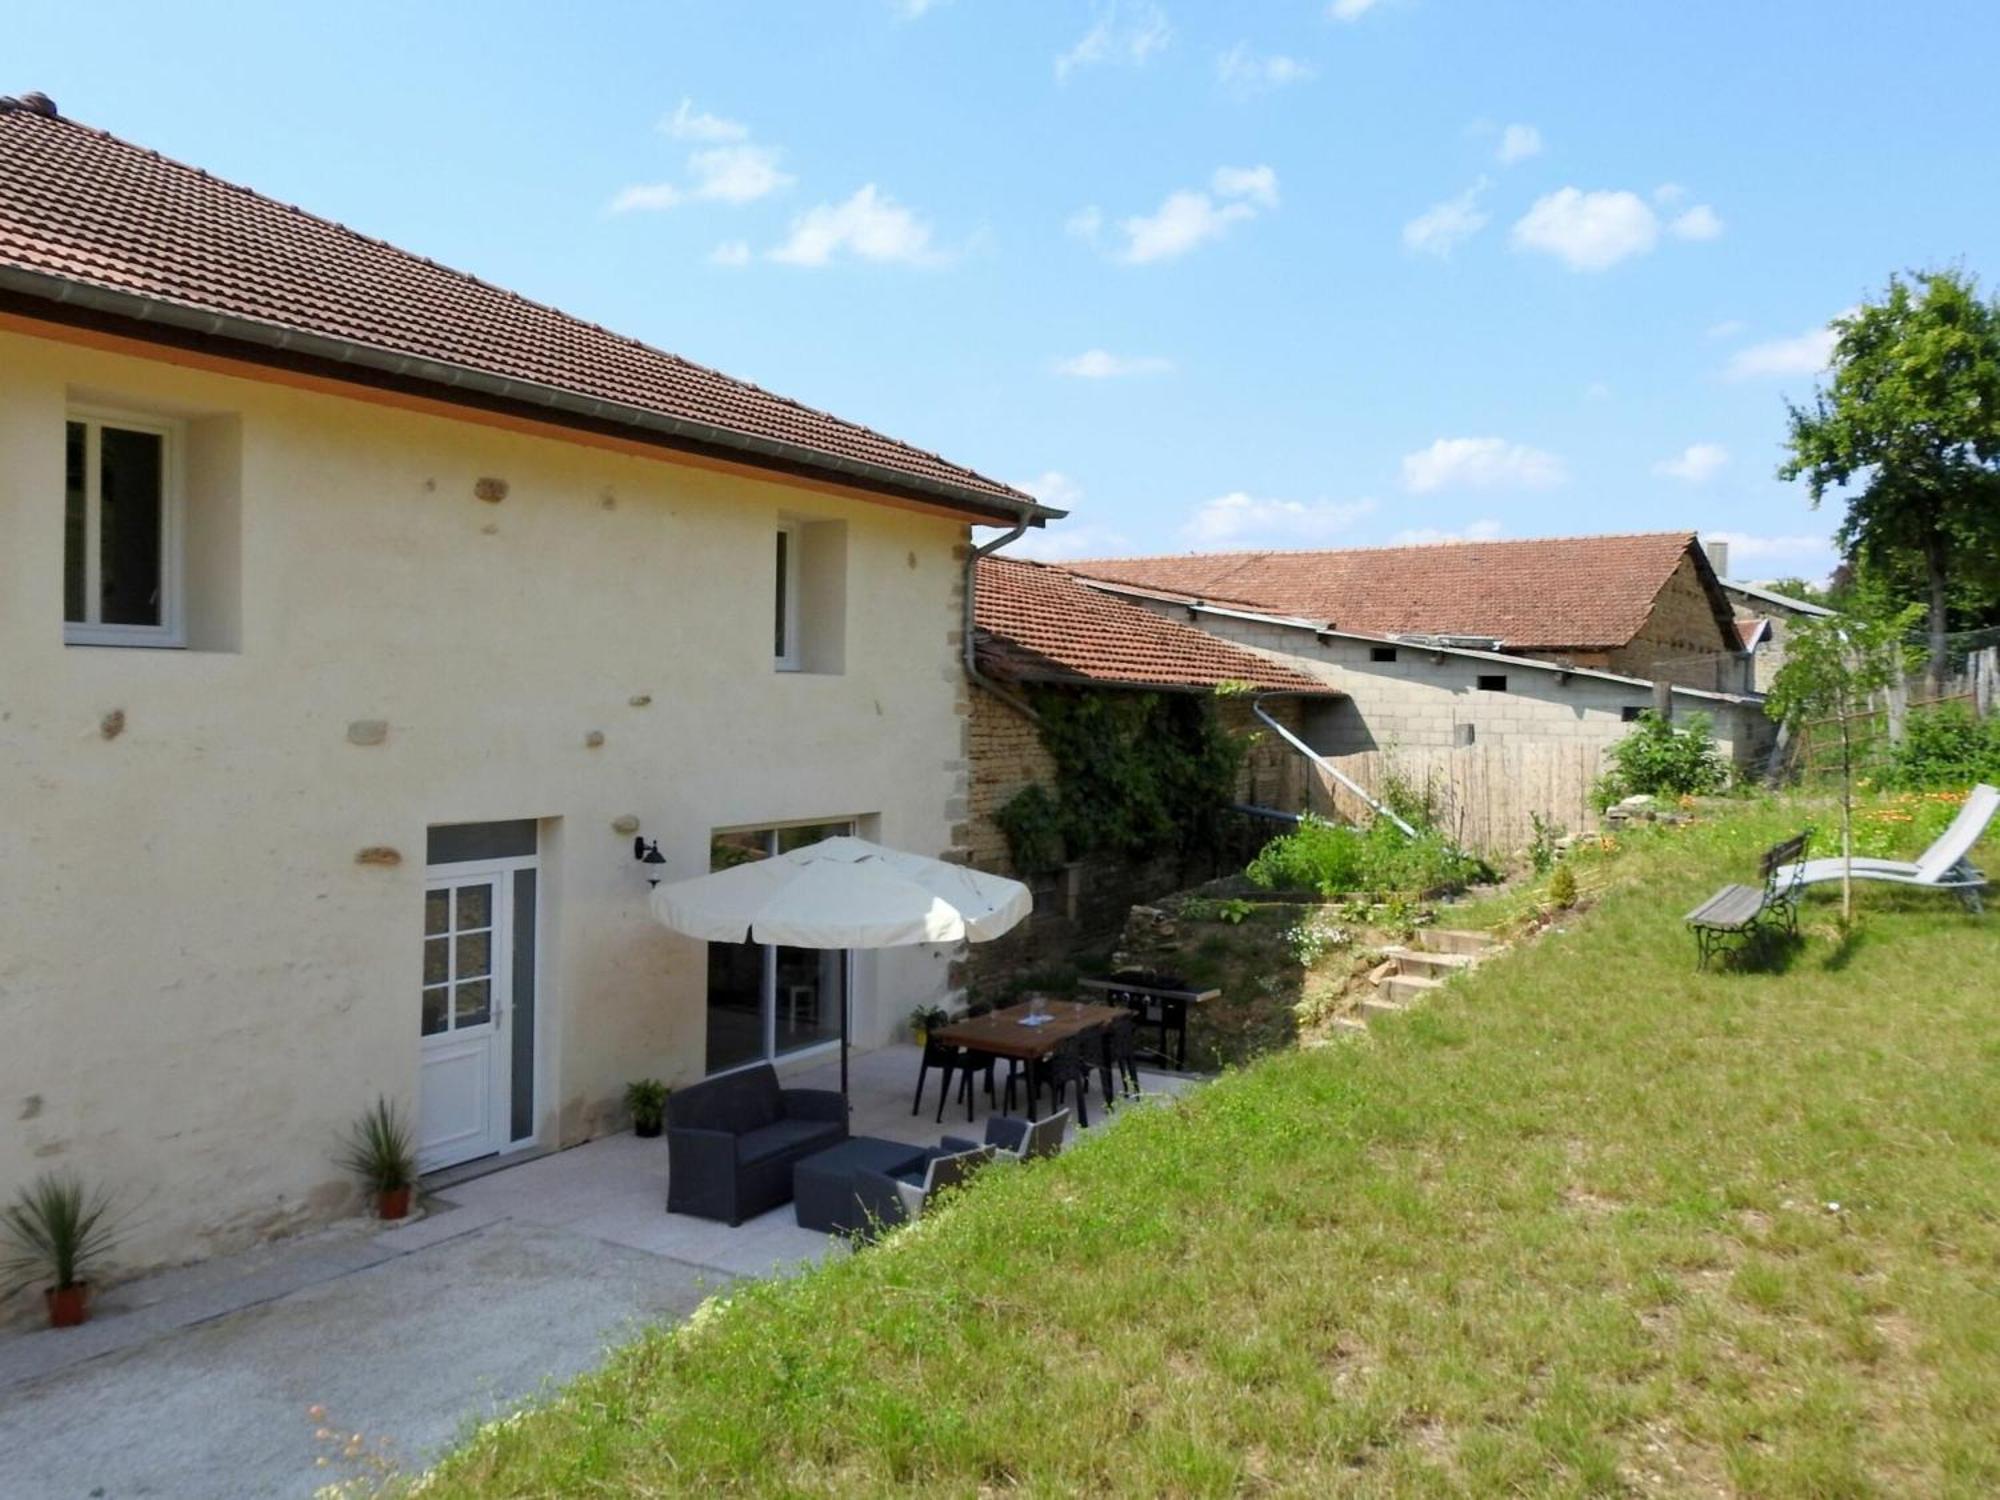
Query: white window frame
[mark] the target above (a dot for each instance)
(171, 632)
(789, 659)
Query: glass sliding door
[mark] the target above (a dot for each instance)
(764, 1002)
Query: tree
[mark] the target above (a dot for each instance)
(1833, 664)
(1912, 415)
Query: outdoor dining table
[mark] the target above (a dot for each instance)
(1009, 1033)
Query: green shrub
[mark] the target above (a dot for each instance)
(1660, 760)
(1947, 746)
(1334, 860)
(1562, 887)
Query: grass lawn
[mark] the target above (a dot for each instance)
(1586, 1223)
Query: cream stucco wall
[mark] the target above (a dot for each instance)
(199, 985)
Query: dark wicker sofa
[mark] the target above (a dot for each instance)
(731, 1142)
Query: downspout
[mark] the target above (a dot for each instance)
(1018, 704)
(1257, 708)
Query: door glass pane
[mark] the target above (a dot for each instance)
(131, 525)
(475, 906)
(811, 990)
(437, 912)
(475, 955)
(75, 535)
(735, 1004)
(437, 960)
(474, 1006)
(436, 1003)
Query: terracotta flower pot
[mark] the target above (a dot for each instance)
(68, 1305)
(393, 1203)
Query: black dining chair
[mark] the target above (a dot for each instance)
(1069, 1064)
(1120, 1058)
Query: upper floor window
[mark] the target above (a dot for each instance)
(787, 600)
(121, 531)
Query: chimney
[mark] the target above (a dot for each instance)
(1718, 557)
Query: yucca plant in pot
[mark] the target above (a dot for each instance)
(647, 1099)
(56, 1228)
(380, 1152)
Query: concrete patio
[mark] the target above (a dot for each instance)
(198, 1382)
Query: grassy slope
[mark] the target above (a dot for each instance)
(1564, 1230)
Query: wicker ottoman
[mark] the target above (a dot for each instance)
(823, 1184)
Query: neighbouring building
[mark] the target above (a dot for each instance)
(1764, 617)
(1041, 626)
(1646, 606)
(357, 615)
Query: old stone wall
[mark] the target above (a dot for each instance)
(1683, 642)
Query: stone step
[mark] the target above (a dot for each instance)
(1407, 987)
(1380, 1005)
(1345, 1024)
(1449, 940)
(1427, 965)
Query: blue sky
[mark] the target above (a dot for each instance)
(1324, 273)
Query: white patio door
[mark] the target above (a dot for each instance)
(462, 1087)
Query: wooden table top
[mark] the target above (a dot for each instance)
(1001, 1032)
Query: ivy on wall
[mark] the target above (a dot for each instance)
(1137, 775)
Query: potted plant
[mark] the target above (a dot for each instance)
(56, 1228)
(647, 1099)
(379, 1151)
(925, 1019)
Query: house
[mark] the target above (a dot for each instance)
(1039, 627)
(1763, 617)
(1645, 606)
(357, 616)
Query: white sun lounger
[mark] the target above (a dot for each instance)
(1945, 866)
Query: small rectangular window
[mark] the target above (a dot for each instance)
(1492, 682)
(1629, 714)
(786, 601)
(1381, 653)
(121, 542)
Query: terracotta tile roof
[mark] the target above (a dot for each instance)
(1551, 593)
(89, 209)
(1752, 632)
(1037, 623)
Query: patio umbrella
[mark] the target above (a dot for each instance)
(844, 893)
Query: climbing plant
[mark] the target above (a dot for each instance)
(1136, 775)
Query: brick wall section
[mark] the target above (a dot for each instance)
(1682, 641)
(1083, 908)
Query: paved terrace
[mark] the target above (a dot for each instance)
(198, 1382)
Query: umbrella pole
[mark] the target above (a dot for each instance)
(846, 999)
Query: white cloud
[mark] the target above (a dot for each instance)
(1480, 463)
(1126, 35)
(869, 226)
(1422, 536)
(647, 197)
(1697, 463)
(687, 123)
(1517, 143)
(1101, 364)
(736, 174)
(1588, 231)
(1258, 184)
(1813, 556)
(1240, 519)
(730, 253)
(1188, 218)
(1699, 223)
(1085, 224)
(1245, 71)
(1807, 353)
(1349, 10)
(1068, 538)
(1443, 226)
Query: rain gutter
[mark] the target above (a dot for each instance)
(968, 631)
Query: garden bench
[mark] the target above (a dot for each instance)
(1731, 918)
